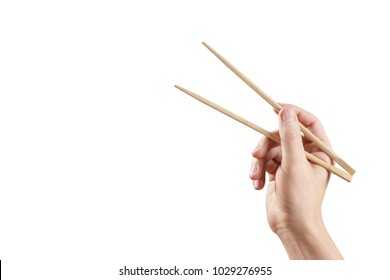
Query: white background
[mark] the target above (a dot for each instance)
(103, 163)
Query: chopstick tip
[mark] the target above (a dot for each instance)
(180, 88)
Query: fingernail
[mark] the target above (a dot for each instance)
(257, 147)
(253, 168)
(288, 114)
(255, 151)
(255, 184)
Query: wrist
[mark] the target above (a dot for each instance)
(308, 240)
(301, 225)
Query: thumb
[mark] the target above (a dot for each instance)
(293, 152)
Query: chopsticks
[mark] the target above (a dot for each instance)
(338, 172)
(277, 107)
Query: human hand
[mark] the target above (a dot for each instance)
(296, 186)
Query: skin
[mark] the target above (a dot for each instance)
(296, 187)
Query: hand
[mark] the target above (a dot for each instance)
(296, 186)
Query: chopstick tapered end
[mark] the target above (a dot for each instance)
(207, 46)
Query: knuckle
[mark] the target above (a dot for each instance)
(292, 135)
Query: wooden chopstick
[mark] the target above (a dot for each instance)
(277, 107)
(340, 173)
